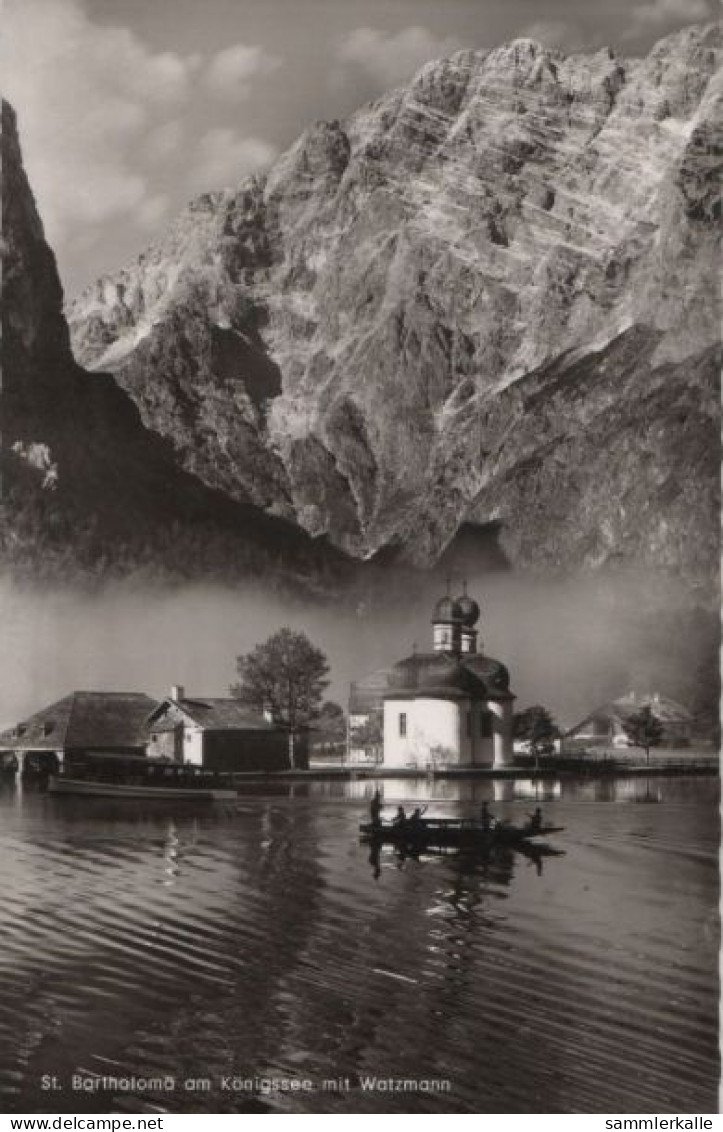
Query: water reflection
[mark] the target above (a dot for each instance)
(256, 940)
(497, 860)
(631, 788)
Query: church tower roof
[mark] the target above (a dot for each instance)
(469, 610)
(447, 610)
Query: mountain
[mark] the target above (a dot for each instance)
(487, 301)
(87, 489)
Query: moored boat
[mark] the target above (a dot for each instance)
(155, 790)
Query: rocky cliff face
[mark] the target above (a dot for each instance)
(87, 489)
(487, 298)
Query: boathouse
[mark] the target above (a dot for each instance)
(220, 734)
(82, 723)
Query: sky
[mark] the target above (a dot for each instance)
(129, 108)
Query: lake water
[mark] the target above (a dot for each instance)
(207, 947)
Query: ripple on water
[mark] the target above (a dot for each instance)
(261, 943)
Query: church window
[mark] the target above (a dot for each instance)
(402, 723)
(485, 724)
(469, 723)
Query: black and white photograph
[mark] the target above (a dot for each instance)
(360, 522)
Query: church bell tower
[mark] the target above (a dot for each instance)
(469, 612)
(447, 626)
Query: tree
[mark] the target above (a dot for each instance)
(286, 677)
(331, 718)
(332, 729)
(536, 727)
(644, 729)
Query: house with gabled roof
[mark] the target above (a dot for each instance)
(220, 733)
(607, 725)
(110, 723)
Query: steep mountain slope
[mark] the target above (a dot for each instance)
(489, 297)
(87, 489)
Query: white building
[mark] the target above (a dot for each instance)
(451, 706)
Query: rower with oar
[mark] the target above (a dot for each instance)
(375, 808)
(487, 818)
(400, 818)
(534, 825)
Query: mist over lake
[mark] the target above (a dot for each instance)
(569, 643)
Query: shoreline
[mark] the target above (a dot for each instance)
(343, 774)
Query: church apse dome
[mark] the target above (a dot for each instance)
(433, 674)
(493, 673)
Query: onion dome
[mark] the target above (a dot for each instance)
(447, 609)
(469, 610)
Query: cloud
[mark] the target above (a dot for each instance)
(153, 210)
(555, 34)
(164, 140)
(224, 157)
(657, 14)
(386, 61)
(86, 95)
(230, 73)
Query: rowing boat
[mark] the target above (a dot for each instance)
(453, 832)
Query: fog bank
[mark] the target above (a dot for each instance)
(569, 644)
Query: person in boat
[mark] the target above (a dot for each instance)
(416, 824)
(487, 819)
(375, 808)
(400, 818)
(534, 825)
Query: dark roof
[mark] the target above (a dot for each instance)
(435, 674)
(494, 674)
(85, 720)
(449, 675)
(212, 714)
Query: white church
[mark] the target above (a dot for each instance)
(448, 707)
